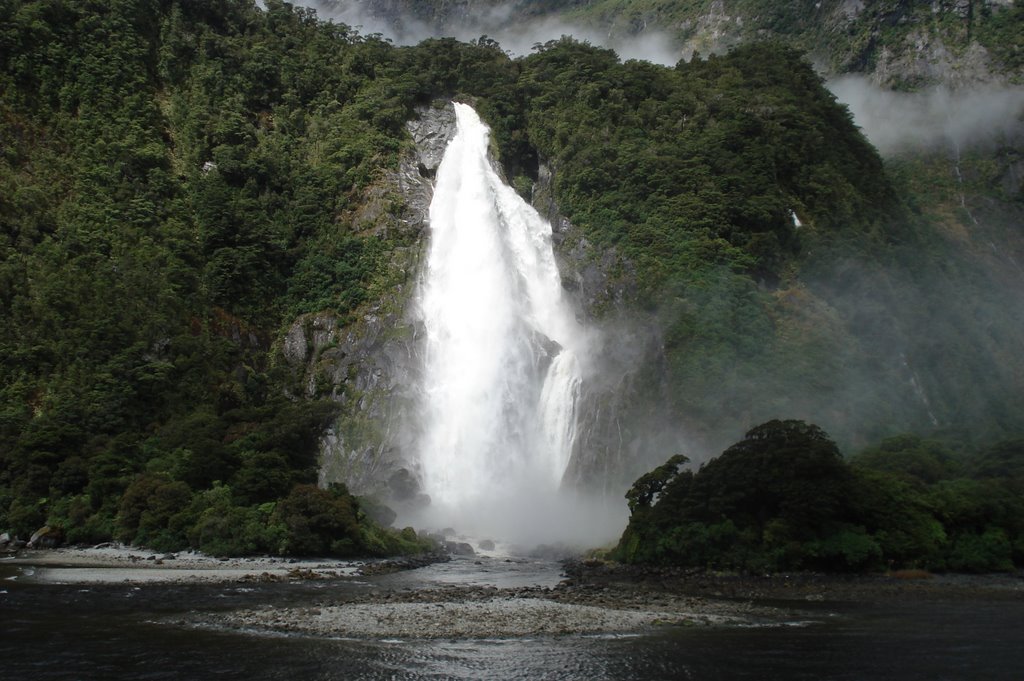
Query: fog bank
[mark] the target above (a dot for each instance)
(937, 117)
(517, 35)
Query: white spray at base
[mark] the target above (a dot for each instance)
(503, 361)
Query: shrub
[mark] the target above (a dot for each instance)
(319, 522)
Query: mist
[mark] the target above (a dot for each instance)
(516, 35)
(931, 119)
(574, 520)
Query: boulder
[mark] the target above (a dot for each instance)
(459, 548)
(46, 537)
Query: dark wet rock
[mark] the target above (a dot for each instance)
(486, 545)
(624, 428)
(403, 485)
(404, 563)
(5, 539)
(459, 548)
(431, 131)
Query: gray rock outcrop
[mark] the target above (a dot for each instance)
(371, 365)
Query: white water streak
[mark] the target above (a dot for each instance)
(503, 371)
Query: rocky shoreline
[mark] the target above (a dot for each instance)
(797, 586)
(594, 598)
(490, 612)
(115, 563)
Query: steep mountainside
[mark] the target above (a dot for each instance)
(904, 44)
(953, 149)
(212, 218)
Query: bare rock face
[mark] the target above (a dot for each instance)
(924, 58)
(46, 538)
(431, 133)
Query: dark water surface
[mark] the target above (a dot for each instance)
(116, 632)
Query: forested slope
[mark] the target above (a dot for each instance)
(172, 174)
(177, 185)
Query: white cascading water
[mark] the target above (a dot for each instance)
(502, 371)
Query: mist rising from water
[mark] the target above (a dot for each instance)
(504, 356)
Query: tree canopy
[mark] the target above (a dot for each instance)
(783, 498)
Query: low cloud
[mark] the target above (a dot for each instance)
(516, 36)
(938, 117)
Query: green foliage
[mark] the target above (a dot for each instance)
(330, 522)
(319, 522)
(909, 456)
(783, 498)
(693, 175)
(783, 485)
(647, 488)
(177, 184)
(147, 506)
(850, 41)
(215, 525)
(171, 196)
(1001, 460)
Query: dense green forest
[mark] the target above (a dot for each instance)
(172, 175)
(176, 186)
(783, 498)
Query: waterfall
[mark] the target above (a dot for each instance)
(503, 350)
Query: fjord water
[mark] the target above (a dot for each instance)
(121, 631)
(504, 352)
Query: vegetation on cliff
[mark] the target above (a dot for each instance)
(173, 175)
(783, 498)
(177, 181)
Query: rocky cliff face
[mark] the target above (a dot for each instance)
(371, 366)
(622, 431)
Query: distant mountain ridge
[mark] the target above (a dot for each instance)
(903, 45)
